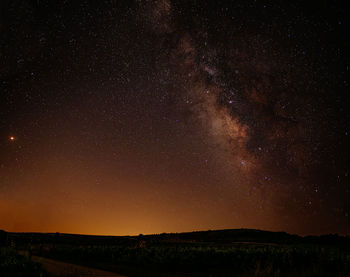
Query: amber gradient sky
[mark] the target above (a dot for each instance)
(135, 117)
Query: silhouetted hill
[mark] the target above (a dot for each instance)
(211, 236)
(233, 235)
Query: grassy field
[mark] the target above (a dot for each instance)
(211, 253)
(12, 264)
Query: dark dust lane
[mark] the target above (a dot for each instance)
(56, 268)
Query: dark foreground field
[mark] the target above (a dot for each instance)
(211, 253)
(13, 264)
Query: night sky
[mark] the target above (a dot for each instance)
(128, 117)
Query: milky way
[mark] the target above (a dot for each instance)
(155, 116)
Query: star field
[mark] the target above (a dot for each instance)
(127, 117)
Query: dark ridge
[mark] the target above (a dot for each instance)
(211, 236)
